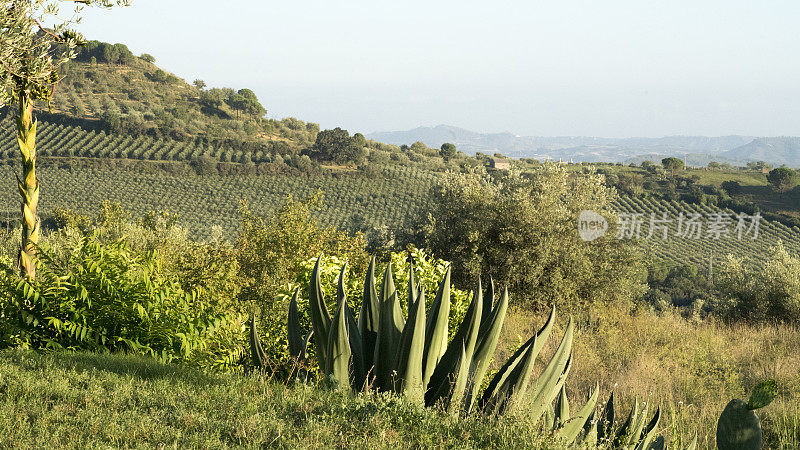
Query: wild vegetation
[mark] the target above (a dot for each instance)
(181, 224)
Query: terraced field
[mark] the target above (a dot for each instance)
(683, 249)
(395, 199)
(203, 202)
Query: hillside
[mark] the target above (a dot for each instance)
(776, 150)
(109, 88)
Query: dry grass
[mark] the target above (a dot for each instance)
(691, 369)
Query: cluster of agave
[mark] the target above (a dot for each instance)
(412, 356)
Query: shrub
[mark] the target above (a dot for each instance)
(109, 297)
(769, 291)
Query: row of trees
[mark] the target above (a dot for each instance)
(96, 51)
(242, 101)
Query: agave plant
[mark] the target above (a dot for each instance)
(412, 356)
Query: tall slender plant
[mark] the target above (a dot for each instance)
(30, 55)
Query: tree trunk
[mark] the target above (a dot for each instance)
(28, 186)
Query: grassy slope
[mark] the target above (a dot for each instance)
(90, 401)
(88, 91)
(692, 369)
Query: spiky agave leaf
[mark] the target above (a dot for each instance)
(606, 422)
(358, 369)
(546, 386)
(256, 350)
(487, 343)
(488, 305)
(413, 291)
(339, 353)
(294, 334)
(492, 394)
(561, 409)
(390, 328)
(369, 318)
(571, 427)
(446, 375)
(320, 317)
(436, 329)
(409, 358)
(650, 440)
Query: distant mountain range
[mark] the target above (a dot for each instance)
(696, 150)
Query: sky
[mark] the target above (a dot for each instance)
(609, 68)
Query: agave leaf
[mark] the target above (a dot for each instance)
(413, 291)
(516, 384)
(657, 443)
(581, 421)
(320, 317)
(339, 352)
(638, 428)
(358, 373)
(440, 385)
(368, 318)
(491, 394)
(461, 375)
(549, 418)
(606, 422)
(546, 386)
(409, 358)
(389, 331)
(625, 432)
(649, 440)
(306, 340)
(589, 438)
(294, 334)
(561, 409)
(693, 444)
(487, 343)
(488, 302)
(436, 329)
(256, 350)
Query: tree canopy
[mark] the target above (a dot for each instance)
(447, 150)
(522, 231)
(672, 164)
(782, 179)
(337, 146)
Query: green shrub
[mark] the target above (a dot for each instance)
(771, 290)
(108, 297)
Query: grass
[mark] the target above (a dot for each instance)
(691, 368)
(91, 401)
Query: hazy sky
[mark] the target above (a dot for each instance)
(603, 68)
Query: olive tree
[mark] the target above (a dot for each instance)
(523, 231)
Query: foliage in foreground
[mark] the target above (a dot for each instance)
(411, 356)
(88, 400)
(108, 297)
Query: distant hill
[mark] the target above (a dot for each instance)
(774, 150)
(697, 149)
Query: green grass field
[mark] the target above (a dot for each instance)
(86, 401)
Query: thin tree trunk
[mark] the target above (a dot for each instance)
(28, 186)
